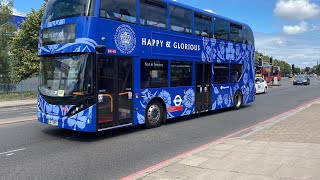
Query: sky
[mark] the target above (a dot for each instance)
(285, 29)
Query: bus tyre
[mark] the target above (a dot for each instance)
(237, 99)
(154, 115)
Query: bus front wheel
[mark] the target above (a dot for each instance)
(237, 99)
(154, 115)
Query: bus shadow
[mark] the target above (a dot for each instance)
(93, 136)
(194, 117)
(98, 136)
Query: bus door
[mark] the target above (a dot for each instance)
(115, 86)
(203, 86)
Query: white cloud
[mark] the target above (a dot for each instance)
(296, 29)
(15, 12)
(296, 9)
(299, 50)
(210, 11)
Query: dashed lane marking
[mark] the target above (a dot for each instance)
(9, 153)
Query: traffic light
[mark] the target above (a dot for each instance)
(260, 60)
(271, 61)
(292, 69)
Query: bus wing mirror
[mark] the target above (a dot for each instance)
(101, 48)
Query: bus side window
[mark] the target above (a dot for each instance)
(181, 19)
(202, 25)
(181, 73)
(221, 29)
(120, 10)
(236, 33)
(221, 73)
(154, 73)
(236, 72)
(248, 36)
(158, 17)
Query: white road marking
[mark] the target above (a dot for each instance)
(9, 152)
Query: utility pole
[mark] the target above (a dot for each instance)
(318, 54)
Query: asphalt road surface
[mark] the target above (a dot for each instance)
(31, 150)
(18, 113)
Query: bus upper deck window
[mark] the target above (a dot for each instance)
(120, 10)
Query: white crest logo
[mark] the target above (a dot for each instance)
(125, 39)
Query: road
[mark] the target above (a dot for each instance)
(31, 150)
(18, 113)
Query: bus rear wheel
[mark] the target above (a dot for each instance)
(154, 115)
(237, 99)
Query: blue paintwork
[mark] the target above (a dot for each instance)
(17, 20)
(83, 121)
(126, 39)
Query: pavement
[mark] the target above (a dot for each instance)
(17, 103)
(285, 147)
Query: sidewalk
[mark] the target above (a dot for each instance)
(26, 102)
(287, 147)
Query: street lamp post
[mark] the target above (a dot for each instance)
(318, 54)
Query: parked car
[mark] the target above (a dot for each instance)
(261, 85)
(301, 79)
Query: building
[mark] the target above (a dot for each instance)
(18, 18)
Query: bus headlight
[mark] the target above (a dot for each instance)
(39, 105)
(75, 110)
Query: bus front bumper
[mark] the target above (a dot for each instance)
(84, 121)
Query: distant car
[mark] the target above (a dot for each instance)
(261, 85)
(301, 79)
(290, 75)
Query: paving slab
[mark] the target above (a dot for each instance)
(288, 149)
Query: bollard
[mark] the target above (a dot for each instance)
(21, 90)
(275, 81)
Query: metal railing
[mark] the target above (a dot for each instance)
(18, 90)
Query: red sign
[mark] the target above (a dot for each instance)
(112, 51)
(175, 109)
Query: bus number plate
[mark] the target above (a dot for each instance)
(53, 122)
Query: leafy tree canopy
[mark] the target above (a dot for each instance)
(7, 30)
(25, 46)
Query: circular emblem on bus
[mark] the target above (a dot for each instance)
(125, 39)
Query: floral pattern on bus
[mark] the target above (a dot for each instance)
(53, 109)
(230, 53)
(187, 102)
(83, 120)
(80, 45)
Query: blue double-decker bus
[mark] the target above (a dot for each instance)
(108, 64)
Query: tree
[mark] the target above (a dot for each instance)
(297, 71)
(265, 58)
(7, 30)
(307, 70)
(317, 69)
(284, 67)
(5, 11)
(25, 46)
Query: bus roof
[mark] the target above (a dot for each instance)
(203, 11)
